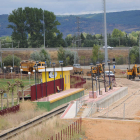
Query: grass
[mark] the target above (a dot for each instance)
(28, 110)
(49, 128)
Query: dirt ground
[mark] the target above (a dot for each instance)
(99, 129)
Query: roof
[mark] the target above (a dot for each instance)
(56, 69)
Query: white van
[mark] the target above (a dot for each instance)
(76, 65)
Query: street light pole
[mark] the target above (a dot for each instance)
(46, 78)
(13, 55)
(35, 66)
(4, 71)
(104, 74)
(98, 75)
(54, 75)
(61, 63)
(109, 72)
(92, 81)
(29, 76)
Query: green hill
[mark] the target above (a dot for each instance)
(127, 21)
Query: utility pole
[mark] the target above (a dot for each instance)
(78, 31)
(13, 55)
(139, 48)
(44, 28)
(105, 33)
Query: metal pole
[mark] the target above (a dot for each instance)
(62, 76)
(98, 80)
(37, 74)
(96, 85)
(44, 28)
(109, 75)
(35, 84)
(92, 81)
(1, 59)
(29, 78)
(129, 59)
(46, 81)
(13, 54)
(104, 78)
(106, 51)
(54, 80)
(124, 112)
(139, 48)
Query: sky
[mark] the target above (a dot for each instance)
(70, 7)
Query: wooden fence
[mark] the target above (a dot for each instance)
(69, 132)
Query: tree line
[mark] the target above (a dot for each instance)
(116, 39)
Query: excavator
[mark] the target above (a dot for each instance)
(95, 70)
(134, 72)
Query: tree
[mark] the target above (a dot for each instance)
(17, 82)
(8, 61)
(95, 53)
(41, 56)
(134, 55)
(12, 87)
(22, 87)
(61, 55)
(29, 22)
(18, 20)
(2, 90)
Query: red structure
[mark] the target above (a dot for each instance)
(79, 84)
(9, 110)
(41, 89)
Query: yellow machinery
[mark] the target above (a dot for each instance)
(27, 66)
(134, 72)
(95, 70)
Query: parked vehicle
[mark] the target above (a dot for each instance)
(78, 69)
(134, 72)
(27, 66)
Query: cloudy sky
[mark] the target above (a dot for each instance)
(67, 7)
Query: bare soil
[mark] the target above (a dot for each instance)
(99, 129)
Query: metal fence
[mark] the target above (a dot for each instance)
(12, 109)
(69, 132)
(79, 84)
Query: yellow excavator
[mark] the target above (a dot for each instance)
(95, 70)
(134, 72)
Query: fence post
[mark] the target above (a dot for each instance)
(76, 127)
(124, 112)
(66, 133)
(70, 132)
(61, 134)
(72, 129)
(80, 123)
(56, 136)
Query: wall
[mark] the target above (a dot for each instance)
(59, 101)
(42, 91)
(109, 100)
(66, 76)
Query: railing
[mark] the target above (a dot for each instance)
(12, 109)
(69, 132)
(79, 84)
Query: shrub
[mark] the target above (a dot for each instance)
(8, 61)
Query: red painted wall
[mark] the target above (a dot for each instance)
(41, 89)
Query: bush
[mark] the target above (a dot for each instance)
(41, 56)
(8, 61)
